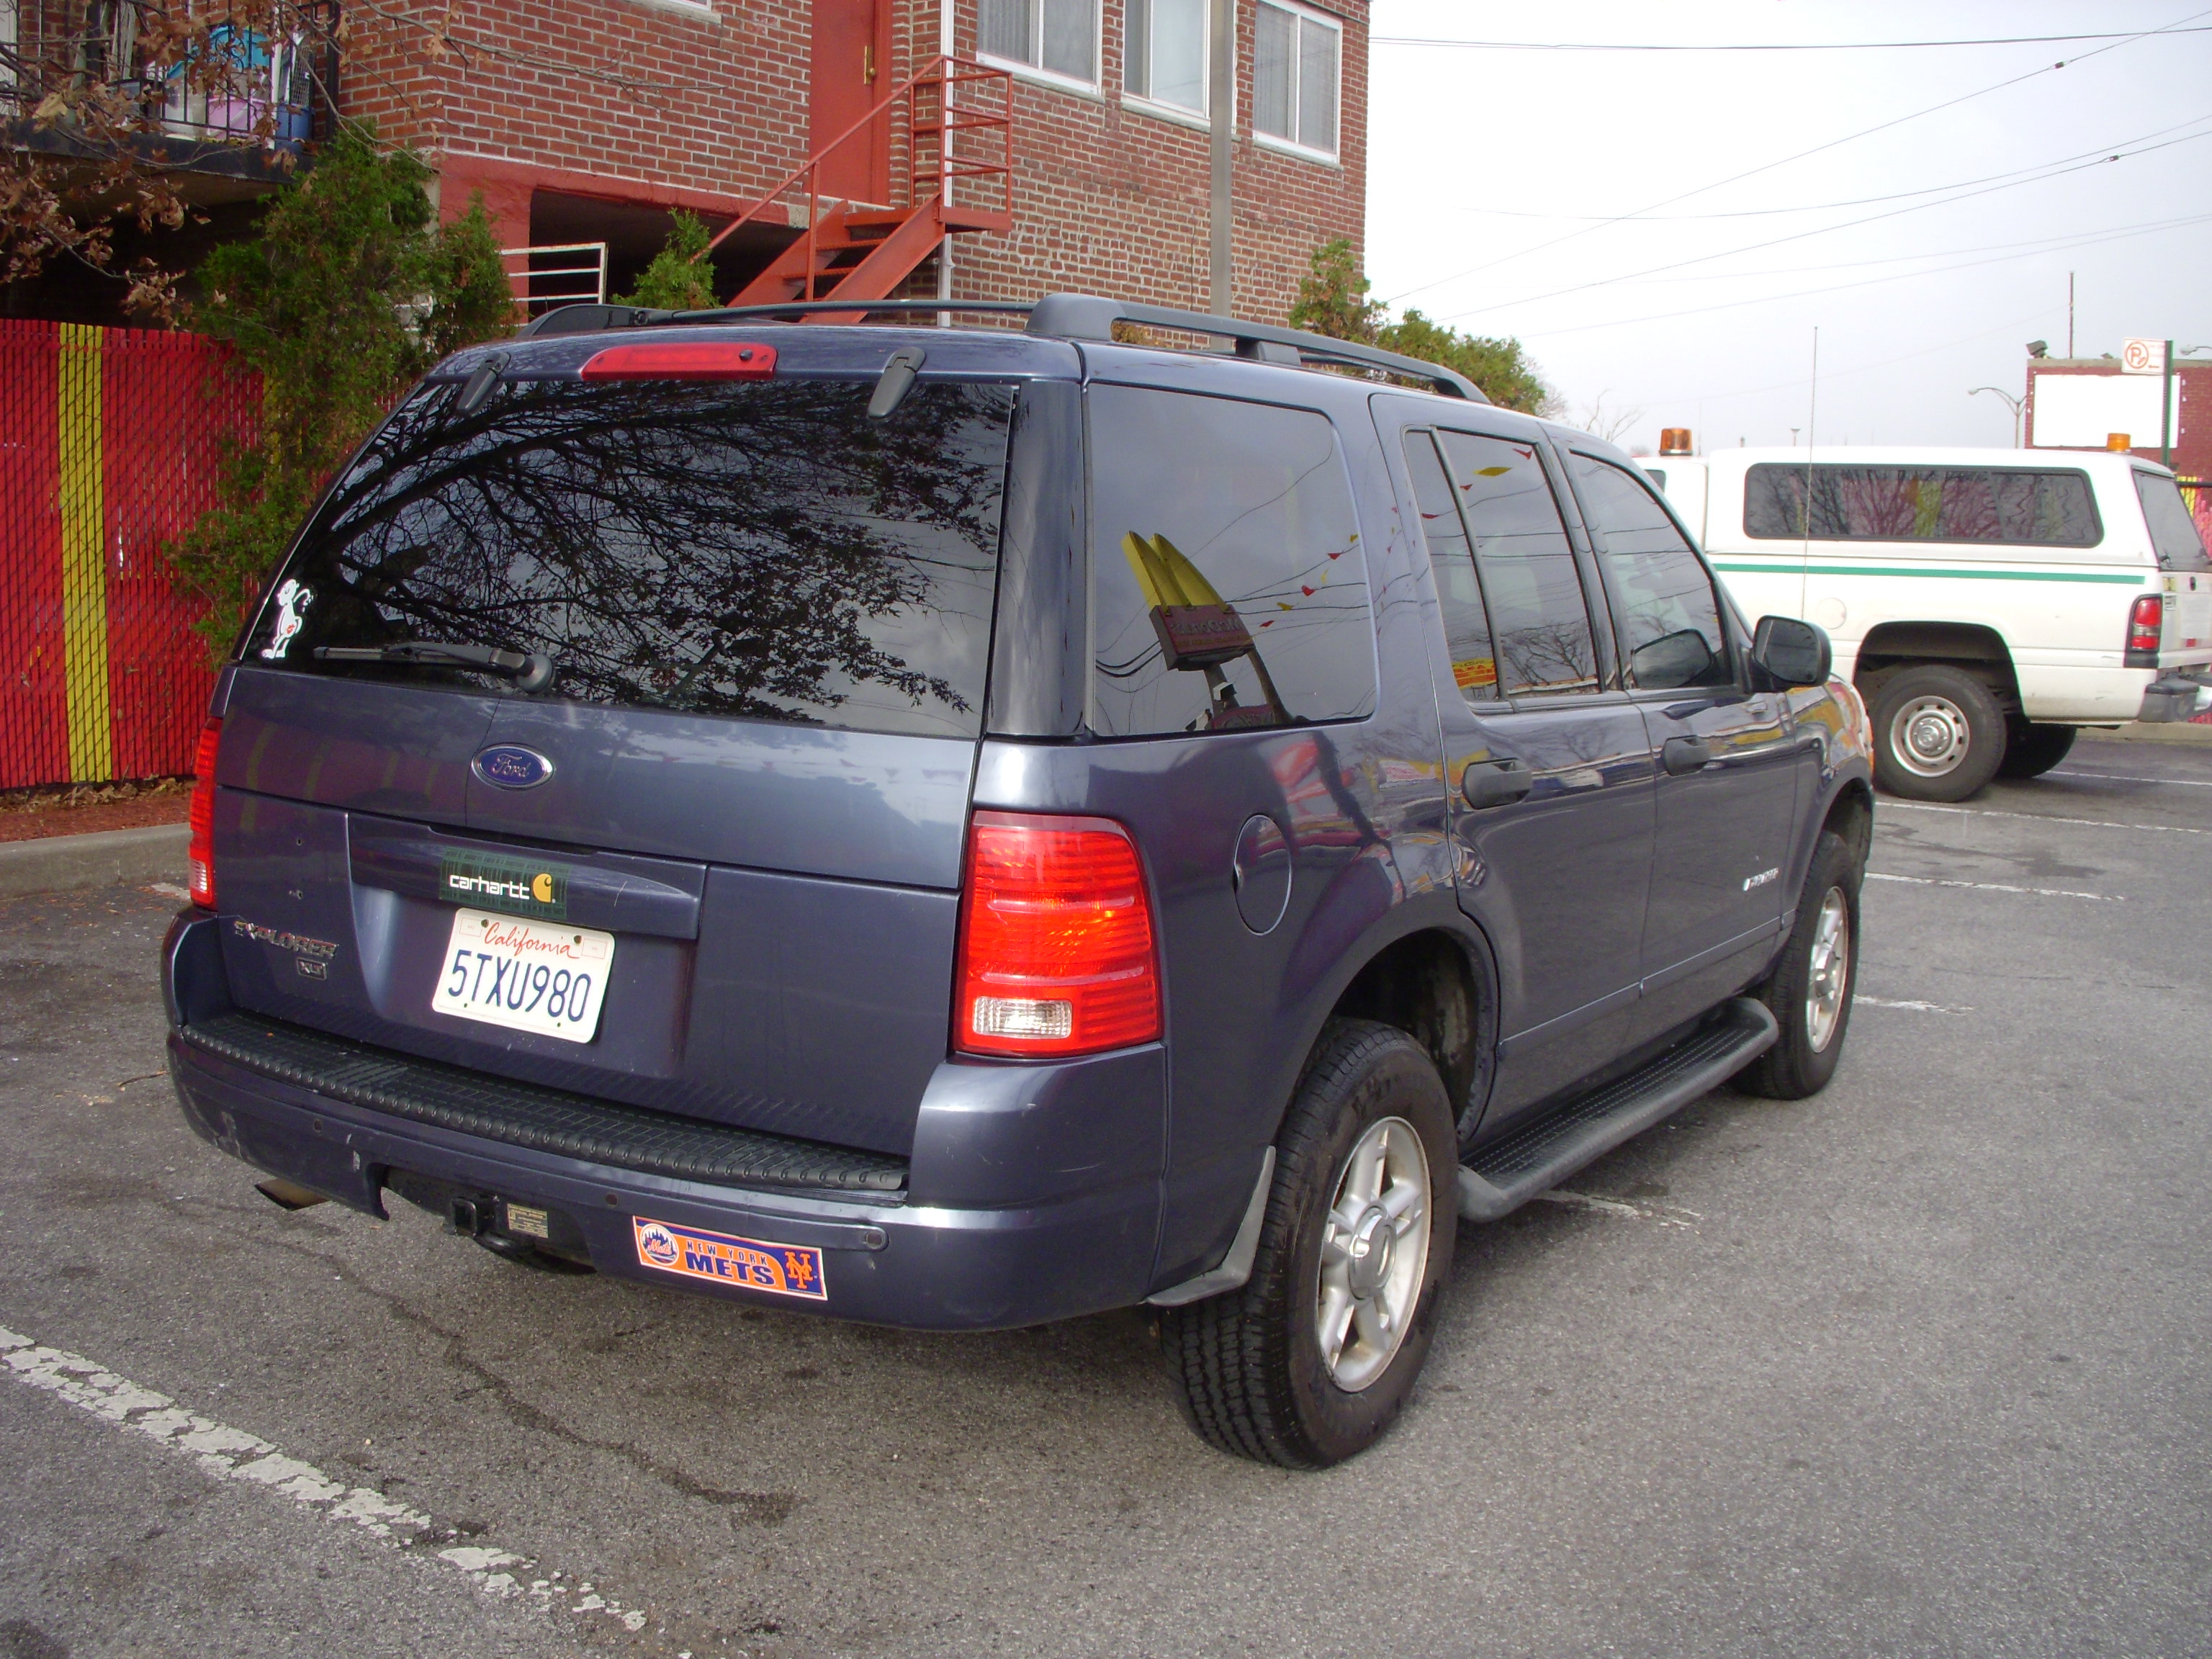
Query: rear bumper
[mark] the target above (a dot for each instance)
(2177, 694)
(1086, 1247)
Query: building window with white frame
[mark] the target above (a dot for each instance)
(1057, 38)
(1165, 60)
(1296, 63)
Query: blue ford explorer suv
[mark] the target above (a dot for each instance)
(959, 828)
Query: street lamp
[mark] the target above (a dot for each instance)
(2012, 403)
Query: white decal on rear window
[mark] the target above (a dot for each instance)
(291, 599)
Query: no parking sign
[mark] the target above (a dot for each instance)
(2142, 356)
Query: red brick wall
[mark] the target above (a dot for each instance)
(632, 101)
(617, 98)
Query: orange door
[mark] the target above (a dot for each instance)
(852, 40)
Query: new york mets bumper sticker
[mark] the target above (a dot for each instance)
(780, 1269)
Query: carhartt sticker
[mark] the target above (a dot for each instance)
(779, 1269)
(494, 881)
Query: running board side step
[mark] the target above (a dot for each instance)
(1499, 1178)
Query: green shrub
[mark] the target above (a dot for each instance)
(1333, 300)
(348, 291)
(679, 278)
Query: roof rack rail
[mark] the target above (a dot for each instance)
(1059, 316)
(1088, 316)
(589, 318)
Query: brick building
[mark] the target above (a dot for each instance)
(588, 121)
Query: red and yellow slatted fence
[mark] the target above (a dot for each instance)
(111, 440)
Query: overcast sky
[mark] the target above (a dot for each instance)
(1479, 157)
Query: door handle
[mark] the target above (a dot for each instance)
(1682, 755)
(1496, 783)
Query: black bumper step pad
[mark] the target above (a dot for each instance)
(542, 1120)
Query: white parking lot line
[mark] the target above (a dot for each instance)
(1667, 1215)
(1889, 804)
(1998, 887)
(1916, 1007)
(231, 1453)
(2123, 777)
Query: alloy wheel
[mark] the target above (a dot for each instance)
(1375, 1245)
(1828, 982)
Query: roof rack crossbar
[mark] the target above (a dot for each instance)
(1060, 316)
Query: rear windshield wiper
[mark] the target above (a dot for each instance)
(532, 672)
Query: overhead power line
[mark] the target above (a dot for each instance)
(2055, 245)
(1822, 230)
(1769, 166)
(1770, 45)
(2098, 151)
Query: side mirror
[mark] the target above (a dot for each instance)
(1793, 653)
(1673, 660)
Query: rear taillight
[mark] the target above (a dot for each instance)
(2146, 622)
(1056, 952)
(200, 853)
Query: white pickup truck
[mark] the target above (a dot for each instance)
(1986, 602)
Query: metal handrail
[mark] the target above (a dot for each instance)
(526, 277)
(946, 72)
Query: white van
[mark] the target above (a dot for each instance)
(1986, 602)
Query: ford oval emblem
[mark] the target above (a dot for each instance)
(510, 766)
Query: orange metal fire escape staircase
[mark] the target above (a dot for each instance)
(958, 133)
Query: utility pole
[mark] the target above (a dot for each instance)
(2069, 313)
(1221, 94)
(2165, 408)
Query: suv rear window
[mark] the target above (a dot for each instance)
(1227, 588)
(1920, 504)
(759, 551)
(2174, 533)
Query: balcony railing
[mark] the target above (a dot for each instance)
(83, 72)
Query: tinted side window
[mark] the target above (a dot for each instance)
(1920, 504)
(1662, 598)
(762, 550)
(1537, 610)
(2173, 531)
(1227, 588)
(1467, 626)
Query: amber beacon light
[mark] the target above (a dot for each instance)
(1674, 441)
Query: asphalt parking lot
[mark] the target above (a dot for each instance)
(1916, 1367)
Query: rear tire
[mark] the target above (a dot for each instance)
(1808, 990)
(1938, 733)
(1254, 1370)
(2034, 749)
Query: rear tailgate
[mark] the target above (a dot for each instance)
(2186, 639)
(2185, 572)
(723, 848)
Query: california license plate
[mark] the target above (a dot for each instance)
(527, 975)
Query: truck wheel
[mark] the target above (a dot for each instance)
(1808, 990)
(2034, 749)
(1938, 733)
(1314, 1357)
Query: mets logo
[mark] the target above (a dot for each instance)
(510, 766)
(657, 1245)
